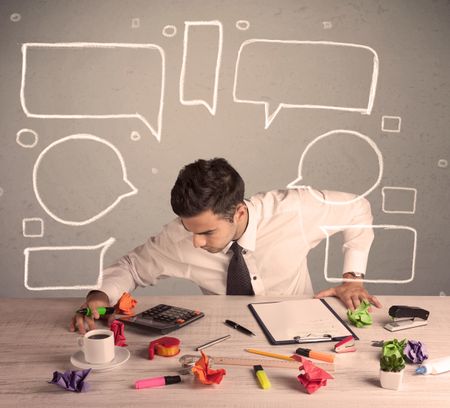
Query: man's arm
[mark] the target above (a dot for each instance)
(94, 299)
(351, 293)
(350, 214)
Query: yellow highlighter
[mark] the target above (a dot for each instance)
(262, 377)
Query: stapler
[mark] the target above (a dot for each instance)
(406, 317)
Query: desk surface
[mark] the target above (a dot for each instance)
(35, 342)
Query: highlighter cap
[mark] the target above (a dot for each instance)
(257, 368)
(172, 379)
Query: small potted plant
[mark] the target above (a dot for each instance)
(392, 364)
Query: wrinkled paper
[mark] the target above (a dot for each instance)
(118, 329)
(205, 374)
(71, 380)
(360, 317)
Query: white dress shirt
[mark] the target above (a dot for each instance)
(283, 226)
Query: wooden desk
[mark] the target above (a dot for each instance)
(35, 341)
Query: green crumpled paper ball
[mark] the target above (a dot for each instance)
(360, 317)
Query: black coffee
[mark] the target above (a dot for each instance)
(99, 336)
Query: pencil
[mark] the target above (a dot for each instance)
(268, 354)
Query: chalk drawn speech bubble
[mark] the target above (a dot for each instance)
(305, 74)
(298, 181)
(76, 171)
(94, 81)
(52, 265)
(329, 230)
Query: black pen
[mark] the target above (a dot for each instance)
(239, 327)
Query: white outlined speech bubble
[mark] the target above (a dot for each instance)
(329, 230)
(305, 74)
(58, 153)
(298, 181)
(207, 69)
(94, 81)
(45, 257)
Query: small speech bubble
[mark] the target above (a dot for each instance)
(305, 74)
(57, 267)
(94, 81)
(348, 167)
(75, 179)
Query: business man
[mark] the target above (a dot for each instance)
(230, 245)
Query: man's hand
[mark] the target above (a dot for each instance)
(94, 299)
(350, 293)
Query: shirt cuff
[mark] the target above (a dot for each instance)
(355, 261)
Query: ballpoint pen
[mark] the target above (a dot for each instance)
(239, 327)
(212, 342)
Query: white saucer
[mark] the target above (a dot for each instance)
(121, 356)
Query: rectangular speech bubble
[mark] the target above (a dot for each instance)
(389, 243)
(305, 74)
(94, 81)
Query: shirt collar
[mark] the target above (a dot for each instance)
(248, 238)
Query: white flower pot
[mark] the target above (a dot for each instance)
(391, 380)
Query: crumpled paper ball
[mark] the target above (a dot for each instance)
(360, 317)
(71, 380)
(415, 352)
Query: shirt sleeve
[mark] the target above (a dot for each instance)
(333, 212)
(159, 256)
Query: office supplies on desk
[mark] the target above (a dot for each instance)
(165, 346)
(269, 354)
(163, 318)
(346, 345)
(157, 381)
(305, 352)
(406, 317)
(435, 366)
(188, 360)
(300, 321)
(212, 342)
(101, 311)
(261, 376)
(238, 327)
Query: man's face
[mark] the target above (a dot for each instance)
(210, 231)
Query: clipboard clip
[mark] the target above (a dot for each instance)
(406, 317)
(310, 338)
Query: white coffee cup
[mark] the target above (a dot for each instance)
(97, 346)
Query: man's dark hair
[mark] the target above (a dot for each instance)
(207, 185)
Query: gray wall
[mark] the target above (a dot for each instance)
(93, 91)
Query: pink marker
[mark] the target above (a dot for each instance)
(157, 381)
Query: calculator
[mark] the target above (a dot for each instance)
(163, 318)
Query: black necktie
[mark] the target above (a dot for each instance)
(238, 279)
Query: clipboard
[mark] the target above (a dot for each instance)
(300, 321)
